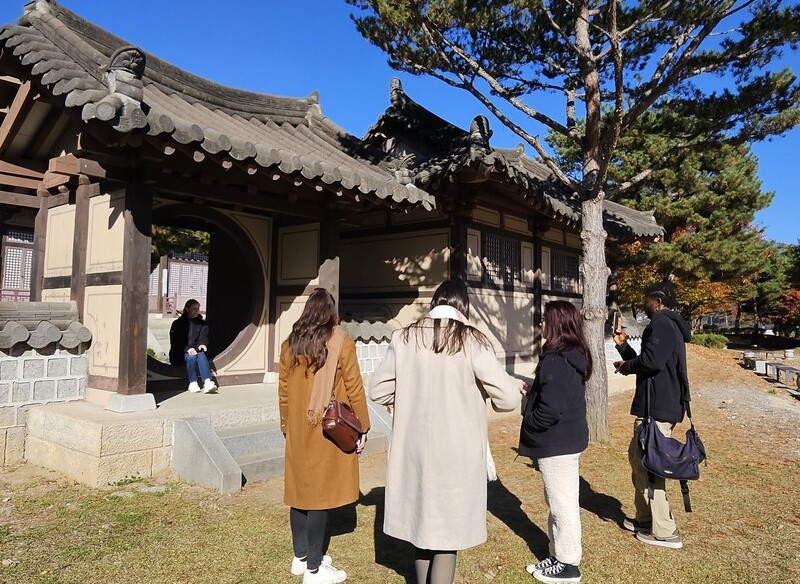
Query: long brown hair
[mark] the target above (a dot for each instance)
(564, 331)
(313, 329)
(450, 337)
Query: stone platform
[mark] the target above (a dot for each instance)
(97, 447)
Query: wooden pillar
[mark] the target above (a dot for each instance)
(39, 246)
(135, 289)
(330, 232)
(115, 273)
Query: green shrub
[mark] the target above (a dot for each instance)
(712, 340)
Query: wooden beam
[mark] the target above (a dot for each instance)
(19, 200)
(16, 115)
(24, 168)
(18, 181)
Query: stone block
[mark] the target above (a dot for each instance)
(67, 388)
(71, 433)
(44, 390)
(168, 427)
(22, 392)
(75, 465)
(112, 469)
(240, 417)
(5, 393)
(8, 416)
(123, 438)
(8, 369)
(15, 445)
(32, 368)
(162, 462)
(57, 367)
(22, 415)
(78, 365)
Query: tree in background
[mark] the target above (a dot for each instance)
(167, 240)
(620, 58)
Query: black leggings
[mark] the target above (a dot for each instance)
(308, 535)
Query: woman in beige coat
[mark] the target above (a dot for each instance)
(436, 374)
(318, 358)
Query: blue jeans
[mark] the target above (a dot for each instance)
(193, 362)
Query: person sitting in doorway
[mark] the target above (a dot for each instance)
(188, 345)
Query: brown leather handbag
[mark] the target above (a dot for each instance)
(341, 425)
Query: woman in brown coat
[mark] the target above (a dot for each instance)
(318, 358)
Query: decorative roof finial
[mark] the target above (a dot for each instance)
(396, 94)
(479, 132)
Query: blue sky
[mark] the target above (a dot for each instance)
(294, 47)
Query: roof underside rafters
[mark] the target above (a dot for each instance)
(141, 97)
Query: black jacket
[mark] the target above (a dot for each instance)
(185, 334)
(663, 359)
(554, 420)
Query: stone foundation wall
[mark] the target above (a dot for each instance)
(35, 376)
(370, 355)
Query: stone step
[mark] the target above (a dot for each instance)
(243, 440)
(261, 465)
(269, 462)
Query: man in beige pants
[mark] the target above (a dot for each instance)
(662, 366)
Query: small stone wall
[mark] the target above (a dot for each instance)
(370, 354)
(35, 376)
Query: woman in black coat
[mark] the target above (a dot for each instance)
(554, 433)
(188, 345)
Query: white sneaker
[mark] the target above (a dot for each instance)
(209, 386)
(194, 388)
(326, 574)
(299, 566)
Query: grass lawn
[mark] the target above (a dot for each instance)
(745, 527)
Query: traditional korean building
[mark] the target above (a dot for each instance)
(502, 223)
(100, 141)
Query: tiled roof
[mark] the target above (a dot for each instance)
(133, 91)
(442, 150)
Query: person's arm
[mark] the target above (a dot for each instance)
(353, 383)
(383, 380)
(502, 388)
(283, 384)
(202, 340)
(547, 409)
(655, 352)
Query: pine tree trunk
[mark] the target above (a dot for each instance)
(595, 274)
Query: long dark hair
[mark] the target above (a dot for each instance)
(313, 329)
(449, 338)
(564, 331)
(190, 302)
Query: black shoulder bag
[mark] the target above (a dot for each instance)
(667, 457)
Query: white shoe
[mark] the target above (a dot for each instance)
(194, 388)
(299, 566)
(326, 574)
(209, 386)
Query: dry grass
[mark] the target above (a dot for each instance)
(745, 528)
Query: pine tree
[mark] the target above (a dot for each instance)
(620, 57)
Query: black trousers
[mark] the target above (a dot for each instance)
(308, 535)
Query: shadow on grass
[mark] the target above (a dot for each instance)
(507, 507)
(604, 506)
(341, 520)
(395, 554)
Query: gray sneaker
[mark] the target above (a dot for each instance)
(673, 541)
(636, 526)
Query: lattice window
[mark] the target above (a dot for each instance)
(19, 235)
(564, 266)
(503, 259)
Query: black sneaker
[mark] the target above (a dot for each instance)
(545, 563)
(558, 572)
(637, 526)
